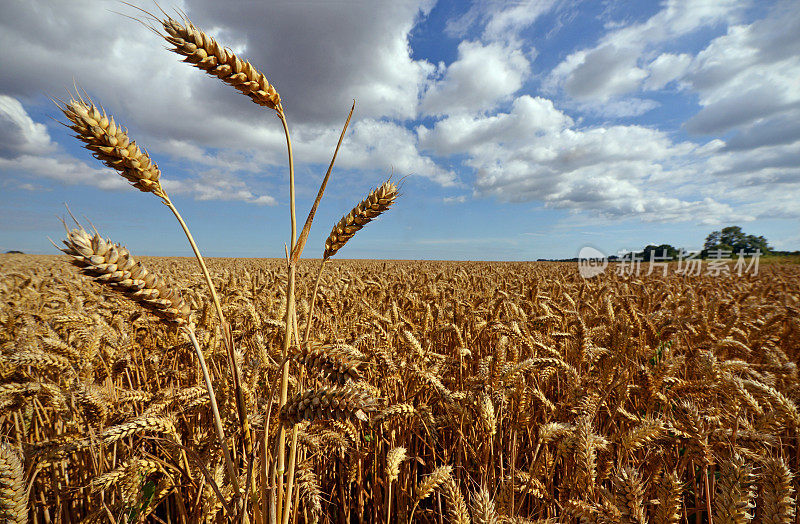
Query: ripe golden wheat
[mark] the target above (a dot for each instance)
(697, 381)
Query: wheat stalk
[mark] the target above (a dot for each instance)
(111, 144)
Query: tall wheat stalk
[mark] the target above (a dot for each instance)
(376, 203)
(111, 144)
(112, 265)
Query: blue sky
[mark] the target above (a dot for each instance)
(524, 130)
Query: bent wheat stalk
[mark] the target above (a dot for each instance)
(113, 265)
(110, 143)
(377, 202)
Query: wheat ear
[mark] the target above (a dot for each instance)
(378, 201)
(334, 363)
(629, 495)
(735, 492)
(394, 458)
(329, 403)
(13, 494)
(426, 486)
(483, 511)
(669, 490)
(456, 507)
(203, 52)
(778, 504)
(113, 265)
(109, 143)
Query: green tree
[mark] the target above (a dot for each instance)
(733, 239)
(659, 251)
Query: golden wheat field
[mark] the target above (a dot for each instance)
(428, 391)
(173, 390)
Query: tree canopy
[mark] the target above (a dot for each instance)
(733, 239)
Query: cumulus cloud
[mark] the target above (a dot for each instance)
(500, 20)
(615, 65)
(482, 76)
(357, 51)
(749, 75)
(19, 134)
(535, 152)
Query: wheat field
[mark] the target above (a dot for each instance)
(175, 390)
(439, 392)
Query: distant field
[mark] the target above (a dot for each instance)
(517, 390)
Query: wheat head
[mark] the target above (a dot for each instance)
(109, 142)
(378, 201)
(113, 265)
(328, 403)
(203, 52)
(13, 492)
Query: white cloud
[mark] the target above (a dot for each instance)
(179, 112)
(749, 75)
(528, 119)
(483, 75)
(29, 154)
(455, 199)
(619, 108)
(600, 73)
(61, 168)
(614, 66)
(666, 68)
(217, 185)
(514, 17)
(536, 153)
(500, 20)
(19, 134)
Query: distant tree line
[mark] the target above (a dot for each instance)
(729, 240)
